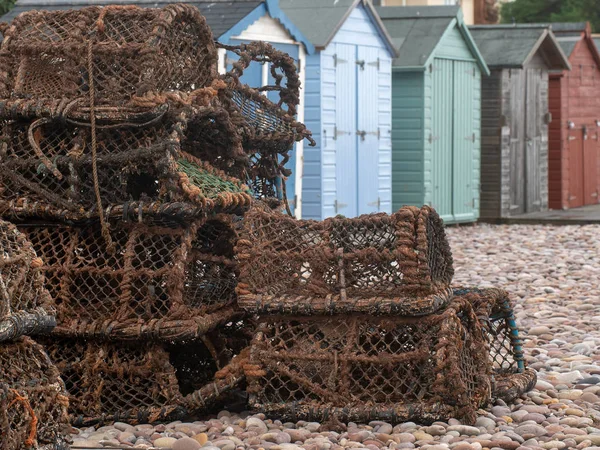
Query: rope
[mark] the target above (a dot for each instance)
(285, 199)
(105, 228)
(31, 137)
(30, 441)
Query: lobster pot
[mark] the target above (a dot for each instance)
(25, 304)
(511, 377)
(361, 367)
(143, 382)
(165, 281)
(48, 171)
(126, 51)
(33, 401)
(397, 264)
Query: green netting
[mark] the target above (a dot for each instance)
(212, 185)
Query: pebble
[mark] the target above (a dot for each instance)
(551, 273)
(186, 444)
(164, 442)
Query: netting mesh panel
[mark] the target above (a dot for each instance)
(407, 368)
(135, 51)
(22, 287)
(30, 388)
(135, 166)
(115, 379)
(499, 323)
(144, 382)
(155, 273)
(386, 258)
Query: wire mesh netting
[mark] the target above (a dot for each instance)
(142, 382)
(265, 125)
(511, 378)
(160, 282)
(126, 51)
(48, 170)
(25, 304)
(361, 367)
(33, 401)
(379, 263)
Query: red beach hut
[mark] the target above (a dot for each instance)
(574, 133)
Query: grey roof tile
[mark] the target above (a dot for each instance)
(220, 15)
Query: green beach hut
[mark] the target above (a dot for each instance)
(436, 111)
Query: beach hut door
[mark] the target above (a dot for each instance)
(357, 131)
(454, 139)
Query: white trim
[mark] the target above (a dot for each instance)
(265, 76)
(266, 29)
(300, 145)
(221, 66)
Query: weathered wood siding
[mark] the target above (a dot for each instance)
(493, 142)
(515, 141)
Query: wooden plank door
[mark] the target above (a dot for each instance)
(575, 149)
(517, 141)
(441, 138)
(367, 129)
(465, 79)
(346, 169)
(533, 140)
(590, 166)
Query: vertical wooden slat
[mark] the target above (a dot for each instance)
(517, 141)
(441, 137)
(367, 121)
(346, 170)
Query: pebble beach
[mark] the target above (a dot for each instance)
(553, 274)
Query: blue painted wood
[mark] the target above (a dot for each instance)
(368, 128)
(311, 179)
(253, 74)
(346, 140)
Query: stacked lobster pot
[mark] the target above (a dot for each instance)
(357, 322)
(33, 401)
(126, 160)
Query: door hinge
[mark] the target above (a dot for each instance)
(363, 133)
(337, 60)
(595, 194)
(338, 206)
(471, 138)
(433, 138)
(375, 63)
(361, 63)
(377, 203)
(572, 138)
(337, 132)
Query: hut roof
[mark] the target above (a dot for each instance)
(319, 20)
(417, 31)
(509, 46)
